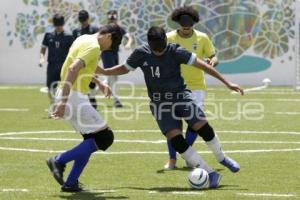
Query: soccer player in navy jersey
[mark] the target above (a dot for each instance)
(171, 101)
(110, 57)
(58, 44)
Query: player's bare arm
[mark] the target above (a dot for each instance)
(68, 82)
(211, 71)
(103, 87)
(42, 56)
(116, 70)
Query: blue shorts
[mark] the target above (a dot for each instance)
(53, 74)
(169, 113)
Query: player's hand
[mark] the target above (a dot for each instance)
(212, 61)
(59, 111)
(41, 62)
(105, 89)
(236, 88)
(100, 70)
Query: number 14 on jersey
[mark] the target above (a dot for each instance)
(155, 71)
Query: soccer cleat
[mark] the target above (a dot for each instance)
(56, 169)
(117, 104)
(214, 179)
(230, 164)
(171, 164)
(78, 187)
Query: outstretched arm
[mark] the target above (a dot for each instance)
(116, 70)
(211, 71)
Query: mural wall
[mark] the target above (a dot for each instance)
(254, 38)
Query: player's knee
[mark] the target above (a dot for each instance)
(104, 139)
(206, 132)
(179, 144)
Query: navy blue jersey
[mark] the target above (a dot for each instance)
(162, 73)
(87, 30)
(58, 45)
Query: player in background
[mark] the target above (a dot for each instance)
(72, 104)
(110, 57)
(171, 101)
(58, 43)
(87, 28)
(200, 44)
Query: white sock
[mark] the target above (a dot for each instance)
(193, 158)
(215, 146)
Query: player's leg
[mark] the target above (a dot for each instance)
(51, 78)
(208, 135)
(97, 136)
(112, 83)
(187, 152)
(110, 59)
(85, 119)
(171, 163)
(195, 119)
(198, 96)
(99, 140)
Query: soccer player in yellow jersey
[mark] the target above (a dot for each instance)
(200, 44)
(72, 103)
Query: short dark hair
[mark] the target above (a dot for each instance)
(185, 10)
(112, 15)
(83, 15)
(116, 34)
(157, 38)
(58, 20)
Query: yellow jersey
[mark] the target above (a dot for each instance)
(87, 49)
(200, 44)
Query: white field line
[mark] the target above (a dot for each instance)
(151, 131)
(13, 190)
(150, 152)
(266, 194)
(177, 192)
(214, 100)
(267, 89)
(19, 87)
(148, 141)
(14, 109)
(35, 132)
(287, 113)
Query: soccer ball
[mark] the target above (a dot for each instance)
(198, 178)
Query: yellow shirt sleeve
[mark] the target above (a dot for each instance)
(88, 55)
(209, 48)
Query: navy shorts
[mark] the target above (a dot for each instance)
(53, 74)
(170, 113)
(109, 58)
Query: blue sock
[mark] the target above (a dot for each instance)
(85, 146)
(172, 152)
(77, 169)
(190, 136)
(80, 154)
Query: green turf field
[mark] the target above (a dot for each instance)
(260, 130)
